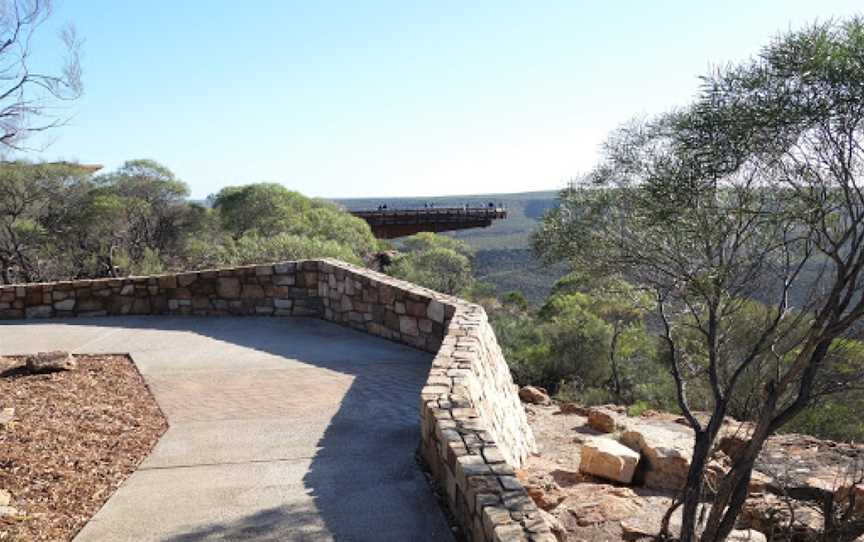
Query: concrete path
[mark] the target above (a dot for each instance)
(280, 429)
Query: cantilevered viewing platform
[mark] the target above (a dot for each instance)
(391, 223)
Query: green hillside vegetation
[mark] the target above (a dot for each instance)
(59, 222)
(593, 341)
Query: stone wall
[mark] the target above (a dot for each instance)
(474, 429)
(283, 289)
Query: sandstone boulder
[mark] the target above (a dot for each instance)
(608, 459)
(534, 395)
(5, 497)
(603, 419)
(666, 453)
(51, 362)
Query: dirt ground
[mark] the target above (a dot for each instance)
(76, 436)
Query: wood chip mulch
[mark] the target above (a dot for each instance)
(77, 435)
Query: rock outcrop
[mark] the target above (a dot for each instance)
(794, 475)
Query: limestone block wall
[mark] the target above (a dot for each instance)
(283, 289)
(474, 429)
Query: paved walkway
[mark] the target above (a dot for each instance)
(280, 429)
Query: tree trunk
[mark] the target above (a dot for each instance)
(733, 489)
(693, 490)
(616, 378)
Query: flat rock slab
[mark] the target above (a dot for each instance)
(608, 459)
(280, 429)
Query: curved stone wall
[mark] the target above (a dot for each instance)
(474, 429)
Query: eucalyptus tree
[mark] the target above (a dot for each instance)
(267, 210)
(26, 92)
(39, 204)
(752, 193)
(145, 206)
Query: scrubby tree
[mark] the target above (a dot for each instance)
(440, 269)
(754, 192)
(263, 210)
(515, 300)
(622, 308)
(145, 206)
(435, 261)
(25, 93)
(32, 211)
(588, 341)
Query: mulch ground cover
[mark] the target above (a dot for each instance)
(76, 436)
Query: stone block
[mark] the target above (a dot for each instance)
(186, 279)
(415, 308)
(252, 291)
(182, 293)
(370, 295)
(425, 325)
(494, 516)
(386, 295)
(228, 287)
(284, 280)
(284, 268)
(609, 459)
(141, 306)
(408, 326)
(435, 311)
(167, 281)
(39, 311)
(65, 305)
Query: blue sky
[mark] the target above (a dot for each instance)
(345, 99)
